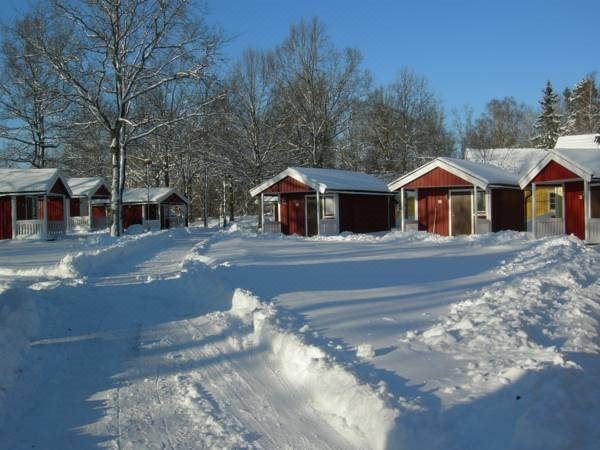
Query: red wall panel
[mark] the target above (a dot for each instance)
(132, 215)
(102, 192)
(508, 210)
(74, 207)
(98, 211)
(55, 209)
(574, 209)
(5, 218)
(365, 213)
(433, 211)
(554, 171)
(437, 177)
(288, 185)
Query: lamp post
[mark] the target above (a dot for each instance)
(148, 163)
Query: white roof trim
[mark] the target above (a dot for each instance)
(332, 180)
(560, 159)
(443, 164)
(154, 198)
(93, 188)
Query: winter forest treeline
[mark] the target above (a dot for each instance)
(138, 91)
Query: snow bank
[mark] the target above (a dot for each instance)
(349, 405)
(525, 339)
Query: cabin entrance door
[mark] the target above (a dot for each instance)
(460, 212)
(311, 215)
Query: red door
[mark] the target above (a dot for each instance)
(433, 210)
(292, 214)
(5, 218)
(574, 209)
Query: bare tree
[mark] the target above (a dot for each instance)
(30, 100)
(111, 53)
(404, 124)
(317, 86)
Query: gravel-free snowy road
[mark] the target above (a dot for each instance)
(134, 356)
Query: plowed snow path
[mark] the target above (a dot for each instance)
(134, 358)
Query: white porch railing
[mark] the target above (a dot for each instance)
(483, 226)
(56, 229)
(549, 226)
(152, 225)
(271, 227)
(79, 223)
(594, 231)
(411, 225)
(29, 229)
(99, 223)
(328, 227)
(176, 222)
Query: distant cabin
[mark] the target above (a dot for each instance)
(88, 208)
(452, 197)
(564, 182)
(155, 208)
(33, 204)
(311, 201)
(566, 187)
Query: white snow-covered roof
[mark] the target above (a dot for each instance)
(587, 141)
(583, 162)
(155, 194)
(25, 181)
(86, 186)
(517, 161)
(480, 175)
(324, 180)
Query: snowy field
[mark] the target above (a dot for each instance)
(227, 339)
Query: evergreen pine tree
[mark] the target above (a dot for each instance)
(583, 108)
(548, 123)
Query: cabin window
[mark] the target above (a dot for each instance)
(151, 212)
(410, 205)
(552, 202)
(27, 208)
(481, 203)
(328, 207)
(595, 202)
(271, 211)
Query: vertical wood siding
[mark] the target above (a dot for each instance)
(5, 218)
(75, 207)
(365, 213)
(574, 209)
(59, 188)
(132, 215)
(288, 185)
(437, 177)
(55, 209)
(292, 214)
(553, 172)
(508, 210)
(433, 210)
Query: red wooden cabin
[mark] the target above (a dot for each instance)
(309, 201)
(576, 174)
(451, 197)
(155, 208)
(33, 204)
(88, 208)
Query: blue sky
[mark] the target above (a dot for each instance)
(471, 51)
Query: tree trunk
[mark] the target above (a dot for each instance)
(115, 197)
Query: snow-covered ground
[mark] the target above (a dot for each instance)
(227, 339)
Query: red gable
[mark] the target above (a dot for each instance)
(437, 177)
(288, 185)
(553, 172)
